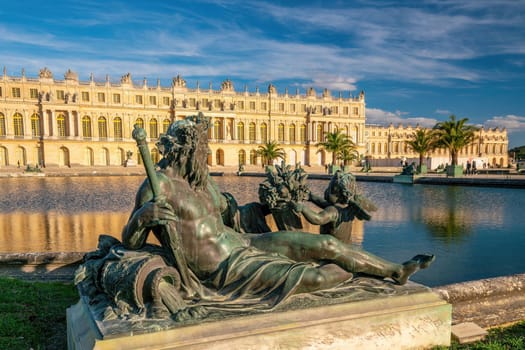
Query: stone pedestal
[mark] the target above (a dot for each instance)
(411, 318)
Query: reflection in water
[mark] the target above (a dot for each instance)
(474, 232)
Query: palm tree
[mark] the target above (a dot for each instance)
(349, 154)
(454, 135)
(270, 151)
(339, 144)
(422, 141)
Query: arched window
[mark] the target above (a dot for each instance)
(242, 157)
(264, 133)
(319, 133)
(251, 132)
(303, 133)
(35, 125)
(102, 128)
(117, 128)
(140, 123)
(2, 125)
(61, 125)
(86, 128)
(291, 132)
(240, 131)
(153, 129)
(280, 133)
(165, 125)
(253, 157)
(216, 126)
(219, 157)
(18, 125)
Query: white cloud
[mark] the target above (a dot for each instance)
(381, 117)
(512, 123)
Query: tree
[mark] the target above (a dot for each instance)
(341, 146)
(349, 154)
(422, 141)
(270, 151)
(454, 135)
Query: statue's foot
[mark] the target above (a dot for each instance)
(420, 261)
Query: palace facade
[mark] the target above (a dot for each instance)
(490, 148)
(67, 122)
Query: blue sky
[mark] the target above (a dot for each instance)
(417, 61)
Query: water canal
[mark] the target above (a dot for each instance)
(475, 232)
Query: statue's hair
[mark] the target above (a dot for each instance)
(185, 146)
(343, 185)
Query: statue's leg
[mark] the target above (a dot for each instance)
(302, 246)
(323, 277)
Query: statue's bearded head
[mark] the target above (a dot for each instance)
(185, 147)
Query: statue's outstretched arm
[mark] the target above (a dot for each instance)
(322, 217)
(318, 200)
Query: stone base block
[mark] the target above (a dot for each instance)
(410, 321)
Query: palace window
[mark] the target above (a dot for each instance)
(240, 131)
(280, 133)
(291, 132)
(140, 123)
(319, 133)
(153, 129)
(264, 106)
(242, 157)
(292, 108)
(102, 128)
(138, 99)
(252, 105)
(216, 129)
(356, 110)
(60, 95)
(2, 125)
(253, 157)
(61, 125)
(0, 91)
(101, 97)
(85, 96)
(192, 102)
(117, 128)
(303, 108)
(345, 110)
(251, 132)
(264, 133)
(303, 133)
(16, 92)
(241, 105)
(33, 93)
(153, 100)
(281, 107)
(116, 98)
(35, 125)
(86, 127)
(18, 125)
(165, 125)
(166, 101)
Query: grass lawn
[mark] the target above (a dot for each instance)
(33, 316)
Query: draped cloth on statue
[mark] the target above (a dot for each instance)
(255, 279)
